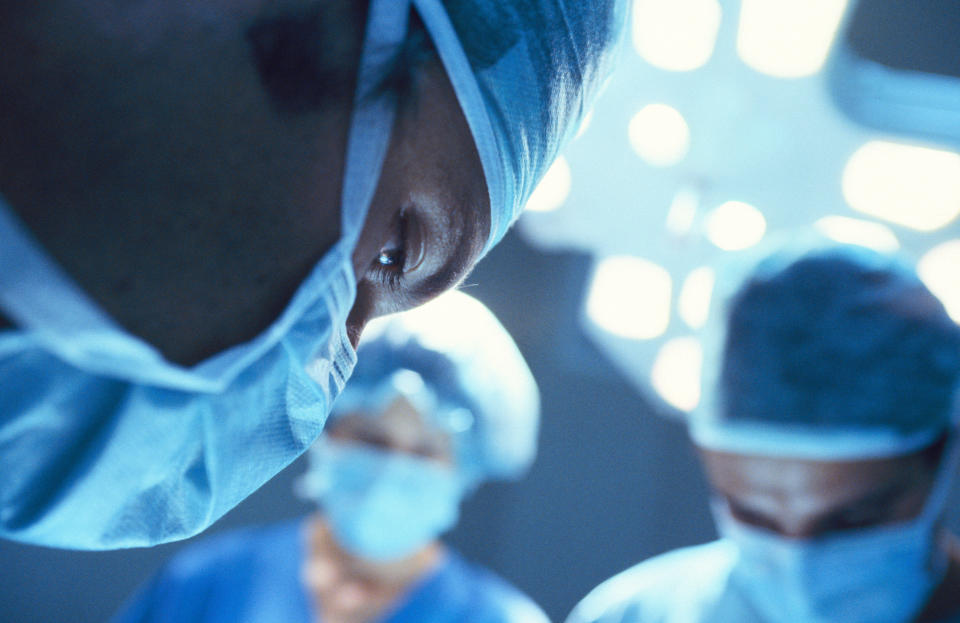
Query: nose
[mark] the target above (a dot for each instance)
(357, 319)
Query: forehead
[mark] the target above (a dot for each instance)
(801, 485)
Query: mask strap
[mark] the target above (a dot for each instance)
(465, 85)
(373, 115)
(35, 292)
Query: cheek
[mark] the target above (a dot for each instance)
(360, 313)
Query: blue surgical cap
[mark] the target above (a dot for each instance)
(457, 364)
(525, 74)
(832, 352)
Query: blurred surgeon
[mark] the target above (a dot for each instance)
(441, 401)
(204, 202)
(831, 448)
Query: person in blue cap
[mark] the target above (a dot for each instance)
(204, 202)
(831, 447)
(441, 401)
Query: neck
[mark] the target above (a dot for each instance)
(345, 588)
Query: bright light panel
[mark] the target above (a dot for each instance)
(735, 225)
(857, 231)
(630, 297)
(553, 189)
(940, 270)
(676, 372)
(659, 134)
(787, 38)
(677, 35)
(682, 212)
(917, 187)
(694, 303)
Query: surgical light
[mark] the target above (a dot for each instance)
(676, 372)
(917, 187)
(787, 38)
(677, 35)
(735, 225)
(848, 230)
(659, 134)
(694, 303)
(630, 297)
(939, 269)
(553, 189)
(682, 212)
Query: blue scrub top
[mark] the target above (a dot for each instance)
(687, 585)
(253, 575)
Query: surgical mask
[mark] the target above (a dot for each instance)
(384, 505)
(881, 574)
(105, 444)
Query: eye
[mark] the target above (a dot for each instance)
(390, 262)
(391, 257)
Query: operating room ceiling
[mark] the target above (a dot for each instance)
(718, 134)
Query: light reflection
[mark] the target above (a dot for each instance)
(917, 187)
(585, 123)
(857, 231)
(787, 38)
(630, 297)
(939, 269)
(683, 211)
(676, 372)
(659, 134)
(695, 294)
(677, 35)
(735, 225)
(553, 189)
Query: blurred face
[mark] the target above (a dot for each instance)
(197, 149)
(350, 587)
(399, 428)
(802, 498)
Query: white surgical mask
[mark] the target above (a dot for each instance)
(882, 574)
(383, 505)
(105, 444)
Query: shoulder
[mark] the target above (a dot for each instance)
(224, 553)
(216, 574)
(486, 597)
(649, 590)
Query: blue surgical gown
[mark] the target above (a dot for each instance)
(253, 575)
(689, 585)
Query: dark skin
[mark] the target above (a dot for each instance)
(801, 498)
(150, 156)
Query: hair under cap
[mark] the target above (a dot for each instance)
(832, 352)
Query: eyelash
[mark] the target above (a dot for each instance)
(388, 265)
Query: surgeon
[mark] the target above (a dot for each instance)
(831, 448)
(441, 401)
(204, 202)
